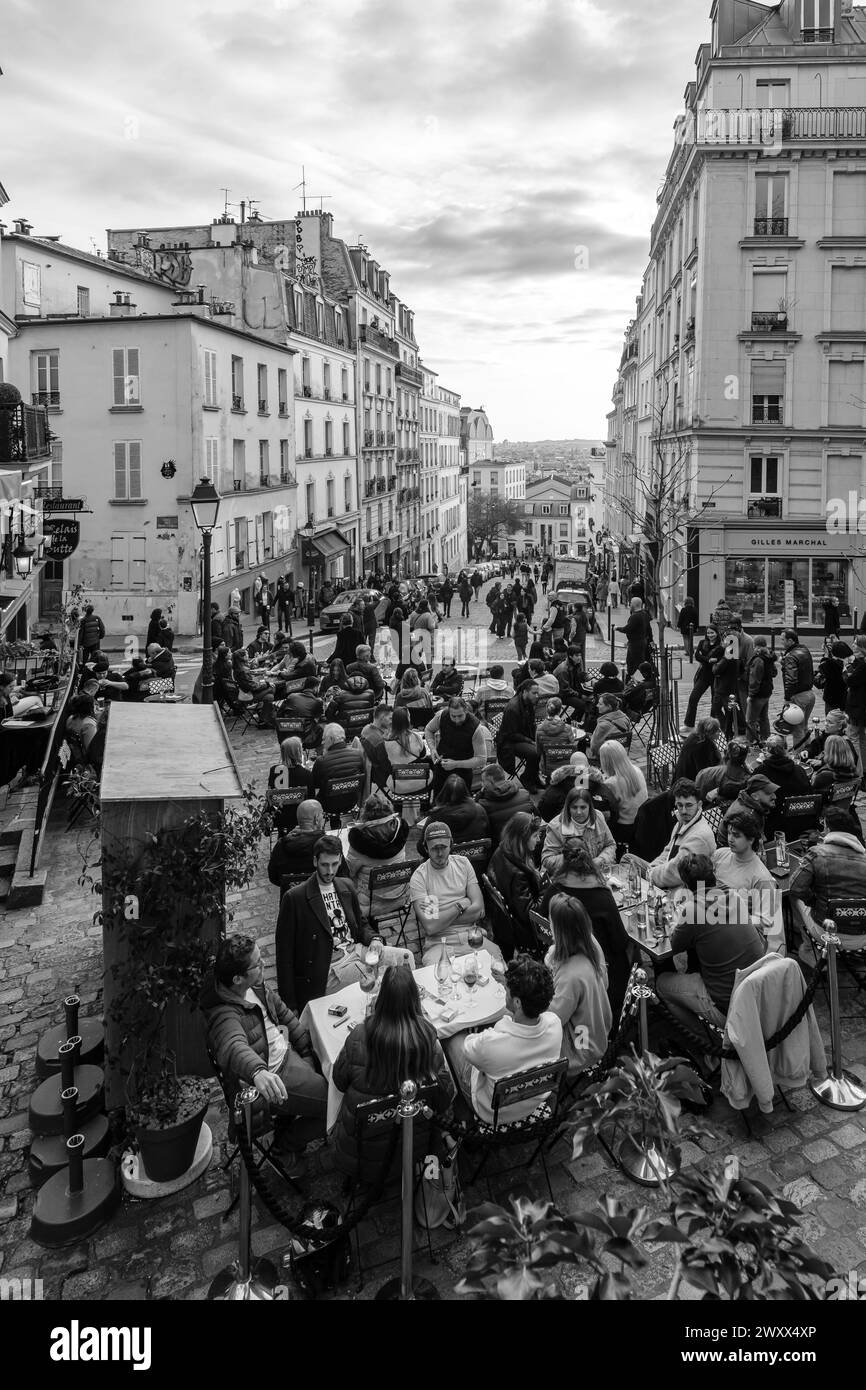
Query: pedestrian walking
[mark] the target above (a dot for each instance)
(520, 633)
(285, 604)
(613, 590)
(687, 622)
(92, 632)
(446, 594)
(476, 581)
(465, 592)
(832, 621)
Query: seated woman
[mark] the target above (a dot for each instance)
(447, 682)
(456, 808)
(260, 645)
(722, 784)
(576, 875)
(248, 683)
(403, 747)
(627, 786)
(836, 776)
(699, 750)
(609, 682)
(81, 727)
(334, 680)
(579, 971)
(395, 1044)
(13, 701)
(289, 772)
(411, 692)
(579, 820)
(225, 687)
(379, 840)
(512, 870)
(554, 731)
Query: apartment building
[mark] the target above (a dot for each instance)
(149, 390)
(556, 515)
(451, 521)
(410, 382)
(428, 478)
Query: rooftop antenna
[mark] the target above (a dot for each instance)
(304, 195)
(253, 203)
(226, 191)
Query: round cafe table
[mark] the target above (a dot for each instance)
(483, 1009)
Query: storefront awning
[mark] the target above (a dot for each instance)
(330, 544)
(392, 545)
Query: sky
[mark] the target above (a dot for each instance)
(499, 157)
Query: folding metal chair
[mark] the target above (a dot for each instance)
(412, 786)
(340, 795)
(801, 813)
(541, 925)
(646, 719)
(290, 726)
(283, 805)
(849, 915)
(263, 1127)
(541, 1084)
(494, 710)
(243, 711)
(384, 908)
(289, 881)
(556, 755)
(478, 853)
(419, 716)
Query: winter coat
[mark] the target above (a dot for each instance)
(466, 821)
(695, 754)
(293, 854)
(349, 639)
(518, 724)
(236, 1031)
(855, 685)
(554, 733)
(520, 885)
(832, 621)
(688, 617)
(92, 631)
(614, 725)
(798, 672)
(304, 943)
(705, 654)
(447, 682)
(831, 679)
(350, 1076)
(232, 632)
(501, 802)
(372, 846)
(835, 868)
(465, 591)
(726, 673)
(764, 997)
(339, 764)
(791, 779)
(761, 674)
(597, 838)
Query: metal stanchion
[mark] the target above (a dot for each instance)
(406, 1289)
(643, 1162)
(241, 1282)
(613, 644)
(839, 1089)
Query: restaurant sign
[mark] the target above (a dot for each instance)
(61, 538)
(64, 504)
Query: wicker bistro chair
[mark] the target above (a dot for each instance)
(714, 815)
(339, 795)
(478, 852)
(289, 881)
(385, 909)
(849, 915)
(160, 685)
(542, 1084)
(412, 786)
(495, 710)
(556, 755)
(802, 813)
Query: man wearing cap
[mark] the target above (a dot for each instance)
(798, 678)
(446, 898)
(757, 796)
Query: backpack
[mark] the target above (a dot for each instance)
(439, 1197)
(316, 1268)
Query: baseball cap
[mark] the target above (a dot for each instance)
(759, 783)
(437, 830)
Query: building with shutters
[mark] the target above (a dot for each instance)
(148, 389)
(451, 520)
(751, 335)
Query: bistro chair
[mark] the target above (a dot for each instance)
(541, 925)
(494, 710)
(290, 881)
(412, 784)
(714, 815)
(371, 1118)
(556, 755)
(420, 715)
(385, 908)
(160, 685)
(290, 726)
(355, 721)
(801, 813)
(661, 761)
(646, 719)
(849, 915)
(262, 1142)
(283, 805)
(478, 852)
(339, 795)
(541, 1084)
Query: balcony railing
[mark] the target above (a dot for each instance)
(264, 480)
(769, 322)
(24, 433)
(392, 482)
(401, 453)
(381, 485)
(376, 338)
(284, 408)
(308, 392)
(410, 374)
(46, 398)
(368, 438)
(766, 413)
(771, 226)
(764, 507)
(380, 436)
(392, 438)
(237, 401)
(369, 487)
(263, 405)
(816, 35)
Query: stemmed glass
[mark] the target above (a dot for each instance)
(470, 974)
(475, 937)
(443, 975)
(368, 984)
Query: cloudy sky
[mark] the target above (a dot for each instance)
(499, 157)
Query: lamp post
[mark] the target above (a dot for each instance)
(22, 557)
(205, 503)
(308, 531)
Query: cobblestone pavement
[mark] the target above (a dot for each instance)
(173, 1248)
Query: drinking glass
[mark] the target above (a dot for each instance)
(476, 937)
(368, 984)
(470, 975)
(443, 976)
(456, 982)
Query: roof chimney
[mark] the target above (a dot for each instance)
(22, 226)
(121, 308)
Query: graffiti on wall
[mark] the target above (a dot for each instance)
(173, 264)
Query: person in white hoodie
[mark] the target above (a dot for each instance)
(690, 833)
(495, 687)
(835, 868)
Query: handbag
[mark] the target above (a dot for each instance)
(439, 1197)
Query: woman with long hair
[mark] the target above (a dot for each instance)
(722, 784)
(706, 653)
(411, 691)
(580, 820)
(396, 1044)
(512, 869)
(837, 774)
(291, 771)
(334, 680)
(379, 840)
(576, 875)
(403, 747)
(455, 806)
(580, 975)
(627, 786)
(699, 750)
(153, 632)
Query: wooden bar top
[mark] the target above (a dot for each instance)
(168, 753)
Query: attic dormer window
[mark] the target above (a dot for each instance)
(816, 24)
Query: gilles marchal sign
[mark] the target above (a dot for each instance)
(61, 538)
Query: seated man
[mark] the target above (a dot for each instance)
(515, 737)
(161, 661)
(458, 743)
(571, 677)
(834, 868)
(304, 704)
(295, 663)
(258, 1041)
(357, 698)
(527, 1036)
(446, 897)
(691, 834)
(340, 760)
(447, 681)
(320, 932)
(758, 797)
(373, 738)
(293, 852)
(709, 920)
(494, 687)
(365, 666)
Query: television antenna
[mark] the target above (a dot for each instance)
(312, 196)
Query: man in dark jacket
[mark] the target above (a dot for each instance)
(637, 633)
(798, 677)
(320, 931)
(834, 868)
(216, 626)
(476, 581)
(365, 666)
(759, 797)
(303, 704)
(791, 780)
(855, 700)
(571, 675)
(760, 674)
(516, 735)
(501, 797)
(687, 622)
(92, 632)
(233, 634)
(371, 622)
(244, 1024)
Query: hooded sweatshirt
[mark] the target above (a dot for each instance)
(615, 724)
(501, 801)
(374, 845)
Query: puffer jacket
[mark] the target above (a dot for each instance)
(466, 821)
(373, 846)
(92, 631)
(236, 1030)
(762, 673)
(350, 1076)
(798, 672)
(520, 884)
(341, 762)
(553, 733)
(835, 868)
(501, 802)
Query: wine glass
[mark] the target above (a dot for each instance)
(470, 974)
(476, 937)
(443, 974)
(368, 984)
(456, 981)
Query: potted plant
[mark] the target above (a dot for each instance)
(643, 1096)
(164, 896)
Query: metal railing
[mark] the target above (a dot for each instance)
(51, 768)
(769, 322)
(25, 436)
(771, 226)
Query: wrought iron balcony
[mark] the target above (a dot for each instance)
(376, 338)
(771, 226)
(410, 374)
(769, 322)
(764, 507)
(767, 413)
(369, 487)
(392, 482)
(25, 436)
(46, 398)
(381, 485)
(368, 438)
(237, 401)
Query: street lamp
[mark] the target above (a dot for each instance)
(308, 531)
(22, 555)
(205, 503)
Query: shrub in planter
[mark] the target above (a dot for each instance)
(166, 1121)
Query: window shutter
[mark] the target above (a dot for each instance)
(136, 562)
(230, 547)
(134, 469)
(849, 204)
(120, 470)
(119, 371)
(119, 554)
(768, 378)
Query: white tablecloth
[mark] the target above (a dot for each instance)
(487, 1005)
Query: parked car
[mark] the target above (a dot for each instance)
(329, 618)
